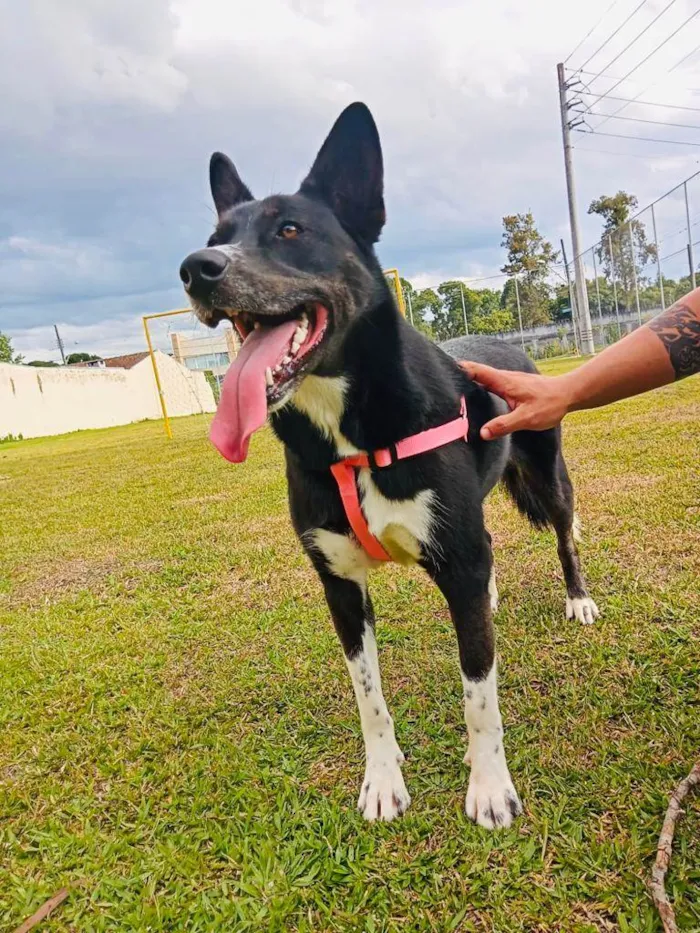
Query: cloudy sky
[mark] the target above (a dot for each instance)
(111, 109)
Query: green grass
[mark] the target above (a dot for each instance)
(178, 735)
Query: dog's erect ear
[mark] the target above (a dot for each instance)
(227, 189)
(348, 174)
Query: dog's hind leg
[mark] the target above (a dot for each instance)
(560, 505)
(342, 566)
(537, 479)
(491, 800)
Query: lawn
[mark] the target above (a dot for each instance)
(178, 736)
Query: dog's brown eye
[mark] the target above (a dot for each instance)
(289, 231)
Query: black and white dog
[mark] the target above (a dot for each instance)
(329, 358)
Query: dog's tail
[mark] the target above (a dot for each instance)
(522, 488)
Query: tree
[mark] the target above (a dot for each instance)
(407, 289)
(489, 300)
(41, 363)
(494, 321)
(416, 309)
(484, 312)
(81, 358)
(630, 254)
(7, 353)
(449, 319)
(561, 302)
(426, 307)
(530, 257)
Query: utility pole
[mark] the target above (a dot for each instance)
(520, 314)
(572, 302)
(584, 314)
(691, 258)
(464, 312)
(60, 344)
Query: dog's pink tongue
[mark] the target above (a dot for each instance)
(243, 404)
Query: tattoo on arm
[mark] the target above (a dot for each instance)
(678, 329)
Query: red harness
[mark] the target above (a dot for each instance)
(346, 478)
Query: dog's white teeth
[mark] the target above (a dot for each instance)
(269, 381)
(257, 325)
(300, 335)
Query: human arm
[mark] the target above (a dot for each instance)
(665, 349)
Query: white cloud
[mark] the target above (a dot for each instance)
(105, 139)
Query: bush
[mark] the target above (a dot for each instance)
(212, 380)
(545, 351)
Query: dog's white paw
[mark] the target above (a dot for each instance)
(492, 801)
(583, 609)
(383, 795)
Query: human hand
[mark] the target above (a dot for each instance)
(536, 402)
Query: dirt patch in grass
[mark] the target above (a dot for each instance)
(61, 580)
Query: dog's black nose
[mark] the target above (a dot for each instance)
(202, 270)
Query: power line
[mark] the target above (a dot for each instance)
(467, 280)
(599, 74)
(678, 252)
(685, 57)
(645, 89)
(612, 36)
(647, 139)
(591, 31)
(594, 74)
(625, 155)
(647, 207)
(683, 229)
(642, 103)
(647, 57)
(639, 35)
(611, 116)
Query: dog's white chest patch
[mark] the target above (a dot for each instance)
(322, 400)
(404, 527)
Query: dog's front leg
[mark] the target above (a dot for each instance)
(344, 576)
(491, 800)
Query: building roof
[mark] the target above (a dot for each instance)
(128, 361)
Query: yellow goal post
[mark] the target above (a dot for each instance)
(395, 281)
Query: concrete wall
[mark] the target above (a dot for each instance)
(37, 401)
(186, 392)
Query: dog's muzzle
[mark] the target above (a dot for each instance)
(202, 271)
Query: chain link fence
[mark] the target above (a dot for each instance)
(636, 270)
(644, 265)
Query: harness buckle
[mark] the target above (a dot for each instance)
(393, 457)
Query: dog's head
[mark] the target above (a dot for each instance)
(291, 272)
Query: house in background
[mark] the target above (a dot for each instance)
(212, 352)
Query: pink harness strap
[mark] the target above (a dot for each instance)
(344, 472)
